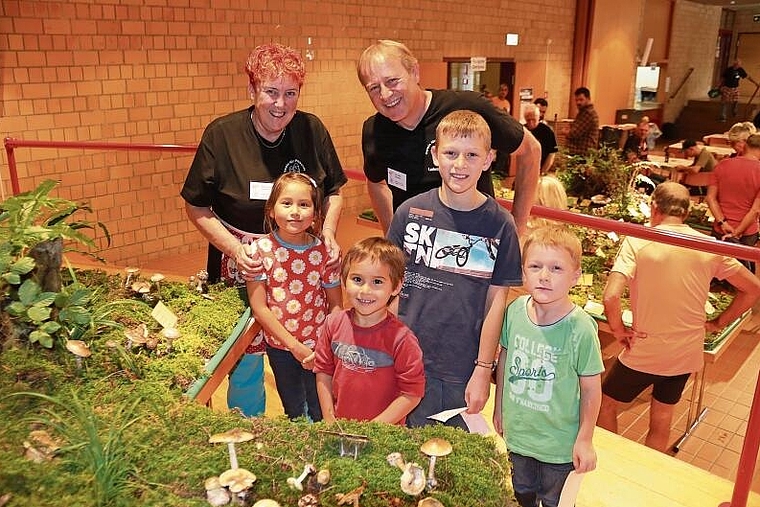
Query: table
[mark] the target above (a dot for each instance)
(657, 165)
(716, 140)
(718, 151)
(696, 411)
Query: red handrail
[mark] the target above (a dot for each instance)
(748, 459)
(11, 144)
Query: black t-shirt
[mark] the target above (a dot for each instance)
(731, 76)
(405, 155)
(230, 161)
(546, 138)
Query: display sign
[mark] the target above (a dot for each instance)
(478, 63)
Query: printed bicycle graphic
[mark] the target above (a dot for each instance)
(461, 253)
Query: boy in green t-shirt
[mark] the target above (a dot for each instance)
(548, 382)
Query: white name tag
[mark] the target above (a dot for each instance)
(259, 191)
(396, 179)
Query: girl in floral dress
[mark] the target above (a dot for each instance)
(296, 290)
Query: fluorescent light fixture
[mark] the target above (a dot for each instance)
(512, 39)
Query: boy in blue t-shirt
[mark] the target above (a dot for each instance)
(462, 254)
(548, 381)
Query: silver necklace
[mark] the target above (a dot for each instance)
(264, 142)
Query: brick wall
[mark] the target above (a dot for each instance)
(149, 72)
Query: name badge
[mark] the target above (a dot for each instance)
(259, 191)
(396, 179)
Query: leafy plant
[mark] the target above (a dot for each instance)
(599, 172)
(33, 228)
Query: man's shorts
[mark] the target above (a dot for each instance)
(729, 94)
(624, 384)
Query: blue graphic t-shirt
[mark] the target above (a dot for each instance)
(452, 259)
(541, 398)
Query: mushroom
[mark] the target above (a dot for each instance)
(230, 438)
(297, 482)
(413, 476)
(171, 334)
(216, 494)
(131, 272)
(79, 349)
(352, 497)
(429, 501)
(237, 480)
(157, 278)
(308, 500)
(323, 477)
(434, 448)
(201, 277)
(266, 502)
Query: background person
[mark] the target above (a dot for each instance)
(669, 286)
(543, 134)
(636, 148)
(500, 99)
(462, 255)
(584, 132)
(231, 176)
(729, 88)
(295, 292)
(369, 364)
(548, 386)
(397, 141)
(543, 105)
(733, 189)
(702, 159)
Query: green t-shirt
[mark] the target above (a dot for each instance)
(541, 398)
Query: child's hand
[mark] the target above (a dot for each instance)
(478, 389)
(308, 362)
(497, 422)
(301, 352)
(584, 456)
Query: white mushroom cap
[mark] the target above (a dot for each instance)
(429, 502)
(131, 270)
(237, 479)
(413, 479)
(266, 502)
(78, 348)
(212, 483)
(436, 447)
(157, 277)
(234, 435)
(135, 335)
(171, 333)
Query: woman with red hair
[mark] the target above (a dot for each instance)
(239, 157)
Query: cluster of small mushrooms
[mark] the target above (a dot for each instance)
(413, 480)
(233, 485)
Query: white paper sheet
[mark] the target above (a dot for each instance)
(570, 490)
(476, 423)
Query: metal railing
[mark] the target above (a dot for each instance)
(748, 459)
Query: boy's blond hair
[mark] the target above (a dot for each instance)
(463, 123)
(555, 236)
(379, 250)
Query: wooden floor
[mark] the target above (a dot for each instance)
(629, 474)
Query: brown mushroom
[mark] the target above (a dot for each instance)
(230, 438)
(429, 502)
(79, 349)
(434, 448)
(171, 334)
(157, 278)
(141, 287)
(132, 272)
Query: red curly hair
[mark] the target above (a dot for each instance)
(271, 61)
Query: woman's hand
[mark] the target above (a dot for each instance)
(332, 246)
(248, 264)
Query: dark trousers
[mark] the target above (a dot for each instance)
(296, 386)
